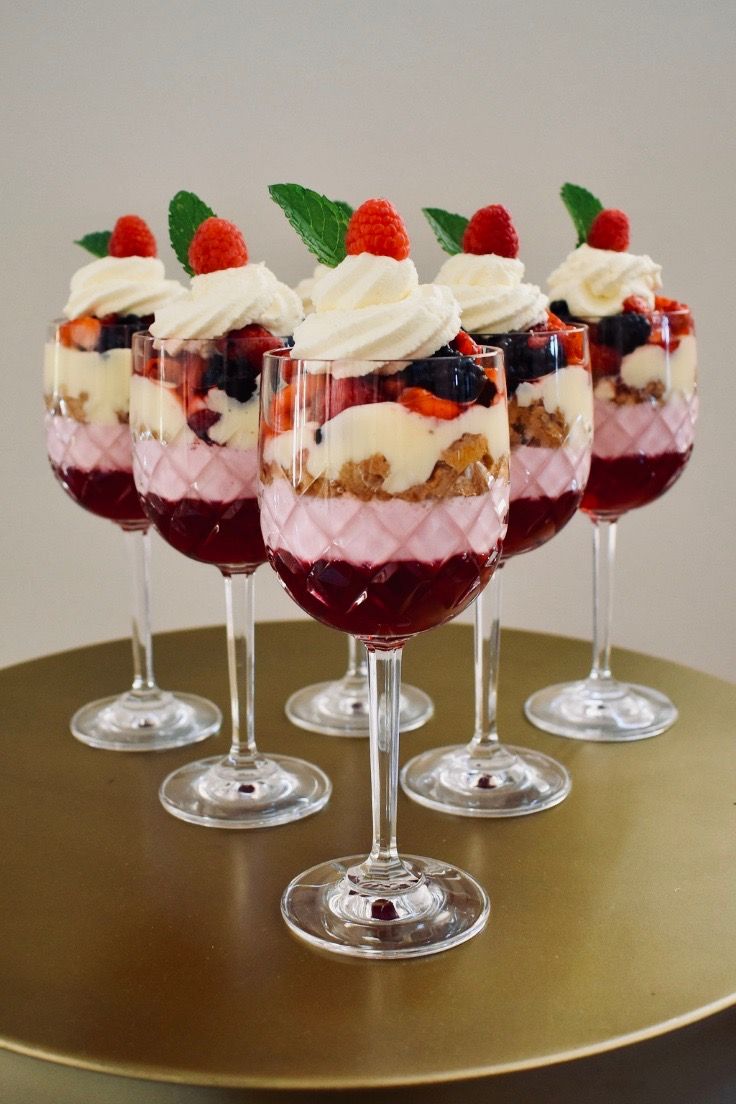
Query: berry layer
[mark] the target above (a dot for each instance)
(377, 532)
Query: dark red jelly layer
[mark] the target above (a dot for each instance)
(534, 521)
(391, 600)
(227, 534)
(109, 494)
(625, 482)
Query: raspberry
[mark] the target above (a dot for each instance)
(377, 227)
(131, 237)
(491, 230)
(464, 344)
(217, 244)
(610, 230)
(252, 342)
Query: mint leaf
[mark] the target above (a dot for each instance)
(582, 206)
(96, 243)
(320, 222)
(186, 212)
(447, 228)
(345, 207)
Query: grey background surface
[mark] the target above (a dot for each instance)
(111, 108)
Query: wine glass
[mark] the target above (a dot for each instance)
(194, 415)
(550, 408)
(341, 707)
(383, 508)
(87, 366)
(646, 403)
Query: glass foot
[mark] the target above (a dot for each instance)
(146, 721)
(340, 708)
(215, 792)
(336, 907)
(507, 781)
(605, 711)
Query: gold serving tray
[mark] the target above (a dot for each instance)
(132, 943)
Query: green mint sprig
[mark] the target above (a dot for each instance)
(583, 207)
(447, 228)
(186, 213)
(320, 222)
(96, 243)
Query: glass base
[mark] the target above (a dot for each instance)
(504, 782)
(275, 789)
(335, 907)
(340, 708)
(607, 711)
(146, 721)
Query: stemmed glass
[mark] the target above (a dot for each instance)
(383, 544)
(550, 410)
(644, 369)
(194, 415)
(341, 707)
(87, 366)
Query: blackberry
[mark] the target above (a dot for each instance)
(623, 332)
(561, 309)
(459, 379)
(524, 360)
(233, 375)
(118, 333)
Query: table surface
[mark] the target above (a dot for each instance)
(135, 944)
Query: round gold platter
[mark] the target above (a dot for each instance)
(134, 944)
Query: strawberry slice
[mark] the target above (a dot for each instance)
(81, 333)
(421, 401)
(635, 304)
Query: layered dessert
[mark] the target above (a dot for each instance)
(547, 373)
(644, 364)
(195, 398)
(87, 369)
(385, 446)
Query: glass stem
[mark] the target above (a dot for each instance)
(138, 544)
(241, 666)
(604, 552)
(357, 660)
(487, 641)
(384, 680)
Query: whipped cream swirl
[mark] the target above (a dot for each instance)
(491, 293)
(305, 287)
(595, 282)
(120, 285)
(229, 299)
(374, 308)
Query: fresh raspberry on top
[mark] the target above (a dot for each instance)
(377, 227)
(610, 230)
(131, 237)
(491, 230)
(217, 244)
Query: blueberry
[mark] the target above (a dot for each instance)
(525, 359)
(623, 332)
(233, 375)
(459, 379)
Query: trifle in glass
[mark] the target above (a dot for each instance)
(87, 369)
(644, 358)
(340, 707)
(384, 468)
(194, 414)
(550, 410)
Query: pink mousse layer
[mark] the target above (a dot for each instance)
(72, 444)
(213, 473)
(547, 472)
(376, 532)
(648, 428)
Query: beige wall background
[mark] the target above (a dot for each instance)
(113, 107)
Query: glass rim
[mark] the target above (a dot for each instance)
(678, 312)
(488, 352)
